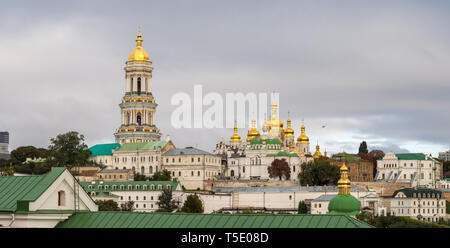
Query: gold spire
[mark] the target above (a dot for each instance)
(235, 137)
(303, 138)
(317, 154)
(344, 183)
(253, 132)
(139, 54)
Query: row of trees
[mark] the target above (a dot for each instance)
(68, 149)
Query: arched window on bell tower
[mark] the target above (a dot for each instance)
(139, 85)
(131, 85)
(138, 119)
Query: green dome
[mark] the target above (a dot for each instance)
(344, 204)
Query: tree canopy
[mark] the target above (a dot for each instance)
(279, 169)
(161, 175)
(108, 205)
(69, 149)
(20, 154)
(363, 148)
(193, 204)
(319, 172)
(302, 208)
(165, 201)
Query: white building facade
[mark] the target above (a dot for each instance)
(417, 169)
(419, 203)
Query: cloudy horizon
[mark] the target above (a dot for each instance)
(373, 71)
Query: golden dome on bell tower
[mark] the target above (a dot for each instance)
(139, 54)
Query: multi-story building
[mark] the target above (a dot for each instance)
(445, 155)
(359, 170)
(115, 175)
(102, 153)
(192, 166)
(417, 169)
(4, 144)
(141, 157)
(143, 194)
(419, 203)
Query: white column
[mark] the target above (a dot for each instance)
(149, 84)
(134, 83)
(127, 86)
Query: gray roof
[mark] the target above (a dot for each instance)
(284, 189)
(187, 151)
(114, 171)
(324, 198)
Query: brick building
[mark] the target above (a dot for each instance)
(359, 170)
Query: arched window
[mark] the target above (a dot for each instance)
(142, 170)
(232, 173)
(151, 169)
(139, 85)
(62, 198)
(139, 119)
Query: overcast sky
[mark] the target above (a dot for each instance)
(368, 70)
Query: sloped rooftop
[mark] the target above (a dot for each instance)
(180, 220)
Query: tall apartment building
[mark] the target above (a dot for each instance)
(4, 144)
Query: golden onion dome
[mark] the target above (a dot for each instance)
(235, 137)
(252, 133)
(303, 138)
(139, 54)
(288, 132)
(317, 154)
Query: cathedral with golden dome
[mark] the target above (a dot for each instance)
(249, 157)
(138, 105)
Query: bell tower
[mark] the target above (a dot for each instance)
(138, 106)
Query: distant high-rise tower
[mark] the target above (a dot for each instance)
(138, 105)
(4, 143)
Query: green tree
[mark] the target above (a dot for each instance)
(302, 208)
(108, 205)
(69, 149)
(193, 204)
(161, 175)
(279, 169)
(363, 148)
(403, 222)
(366, 216)
(140, 177)
(165, 201)
(20, 154)
(447, 207)
(319, 172)
(128, 206)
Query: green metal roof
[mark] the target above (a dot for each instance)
(25, 189)
(410, 156)
(142, 146)
(180, 220)
(103, 149)
(126, 184)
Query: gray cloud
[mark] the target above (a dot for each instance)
(376, 71)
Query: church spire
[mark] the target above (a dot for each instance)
(344, 183)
